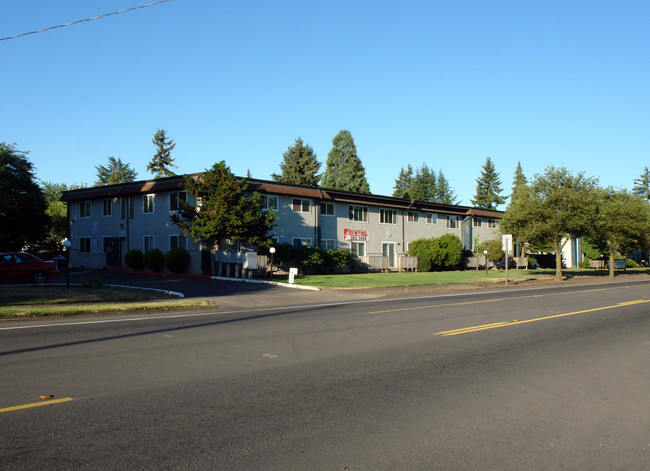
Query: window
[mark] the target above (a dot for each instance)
(327, 209)
(298, 241)
(413, 216)
(148, 243)
(148, 204)
(327, 244)
(452, 222)
(270, 202)
(358, 213)
(175, 197)
(300, 206)
(126, 208)
(388, 216)
(176, 241)
(84, 209)
(491, 223)
(84, 244)
(358, 248)
(432, 218)
(106, 242)
(108, 207)
(478, 222)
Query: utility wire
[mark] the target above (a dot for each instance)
(82, 21)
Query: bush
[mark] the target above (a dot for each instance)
(437, 253)
(134, 259)
(94, 282)
(629, 263)
(584, 264)
(494, 251)
(154, 260)
(337, 259)
(453, 248)
(177, 260)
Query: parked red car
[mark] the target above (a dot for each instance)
(25, 268)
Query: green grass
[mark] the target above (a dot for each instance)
(379, 280)
(23, 301)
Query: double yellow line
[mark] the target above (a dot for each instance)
(35, 404)
(497, 325)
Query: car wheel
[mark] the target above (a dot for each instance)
(39, 277)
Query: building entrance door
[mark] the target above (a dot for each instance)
(388, 250)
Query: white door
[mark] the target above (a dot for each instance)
(388, 250)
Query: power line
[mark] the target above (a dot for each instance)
(87, 19)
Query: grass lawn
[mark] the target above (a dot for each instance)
(378, 280)
(22, 301)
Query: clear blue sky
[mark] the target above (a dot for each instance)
(446, 83)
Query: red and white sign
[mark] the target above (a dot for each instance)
(349, 234)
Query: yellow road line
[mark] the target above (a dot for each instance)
(35, 404)
(466, 303)
(506, 324)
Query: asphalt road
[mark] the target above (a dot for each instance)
(534, 379)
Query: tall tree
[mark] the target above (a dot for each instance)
(226, 211)
(162, 159)
(344, 170)
(488, 188)
(519, 181)
(22, 205)
(445, 193)
(642, 185)
(57, 209)
(114, 172)
(299, 165)
(404, 183)
(622, 225)
(554, 208)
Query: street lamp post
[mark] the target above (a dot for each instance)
(271, 251)
(486, 262)
(67, 244)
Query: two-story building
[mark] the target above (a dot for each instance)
(107, 221)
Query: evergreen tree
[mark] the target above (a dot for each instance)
(114, 172)
(22, 205)
(344, 170)
(227, 211)
(488, 188)
(642, 185)
(445, 193)
(162, 159)
(404, 183)
(519, 181)
(299, 165)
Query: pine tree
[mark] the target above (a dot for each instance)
(114, 172)
(642, 185)
(445, 193)
(404, 183)
(162, 159)
(299, 165)
(344, 170)
(488, 188)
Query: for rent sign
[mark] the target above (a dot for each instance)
(349, 234)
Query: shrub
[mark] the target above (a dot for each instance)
(584, 264)
(453, 249)
(177, 260)
(338, 259)
(134, 259)
(154, 260)
(94, 282)
(437, 253)
(629, 263)
(495, 252)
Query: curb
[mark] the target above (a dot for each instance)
(265, 282)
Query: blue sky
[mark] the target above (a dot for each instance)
(446, 83)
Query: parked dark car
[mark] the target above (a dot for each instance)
(25, 268)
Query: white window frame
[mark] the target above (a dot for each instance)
(148, 203)
(85, 209)
(456, 220)
(82, 244)
(267, 202)
(358, 243)
(432, 218)
(392, 220)
(324, 211)
(145, 238)
(413, 217)
(327, 244)
(178, 238)
(174, 200)
(352, 213)
(301, 205)
(304, 241)
(107, 207)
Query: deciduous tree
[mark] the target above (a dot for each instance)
(488, 188)
(114, 172)
(555, 207)
(162, 159)
(22, 205)
(226, 211)
(299, 165)
(344, 170)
